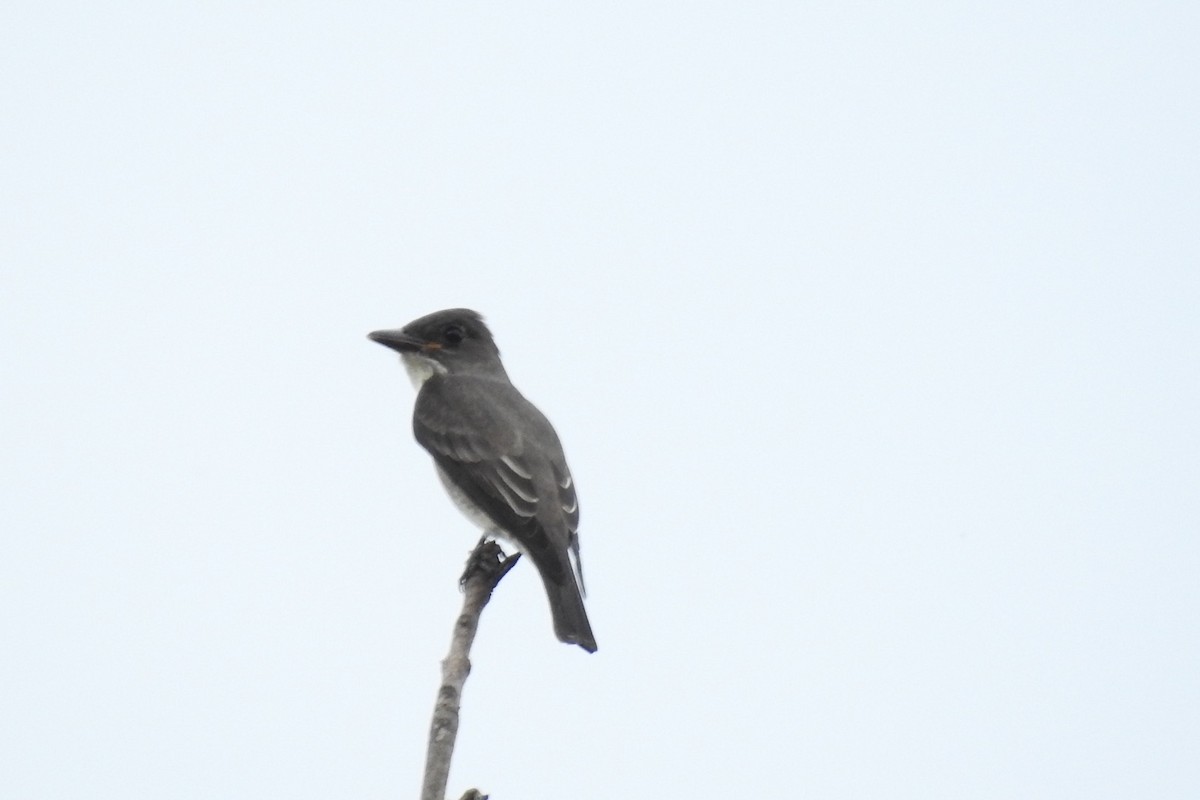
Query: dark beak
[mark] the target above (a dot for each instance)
(397, 340)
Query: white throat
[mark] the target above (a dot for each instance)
(420, 368)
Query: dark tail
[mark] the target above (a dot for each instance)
(566, 606)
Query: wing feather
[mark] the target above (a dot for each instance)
(485, 457)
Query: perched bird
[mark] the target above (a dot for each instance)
(497, 455)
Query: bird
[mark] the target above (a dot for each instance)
(497, 455)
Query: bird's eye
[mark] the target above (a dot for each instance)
(453, 334)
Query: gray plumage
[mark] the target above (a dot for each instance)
(496, 453)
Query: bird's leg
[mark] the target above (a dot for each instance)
(490, 558)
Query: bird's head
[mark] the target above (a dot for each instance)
(454, 341)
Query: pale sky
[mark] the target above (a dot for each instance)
(871, 331)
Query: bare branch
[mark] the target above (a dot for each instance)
(486, 566)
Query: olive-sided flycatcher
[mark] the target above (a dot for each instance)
(497, 455)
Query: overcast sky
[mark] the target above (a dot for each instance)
(872, 333)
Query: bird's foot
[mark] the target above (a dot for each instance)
(488, 558)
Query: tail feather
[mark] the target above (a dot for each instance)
(570, 619)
